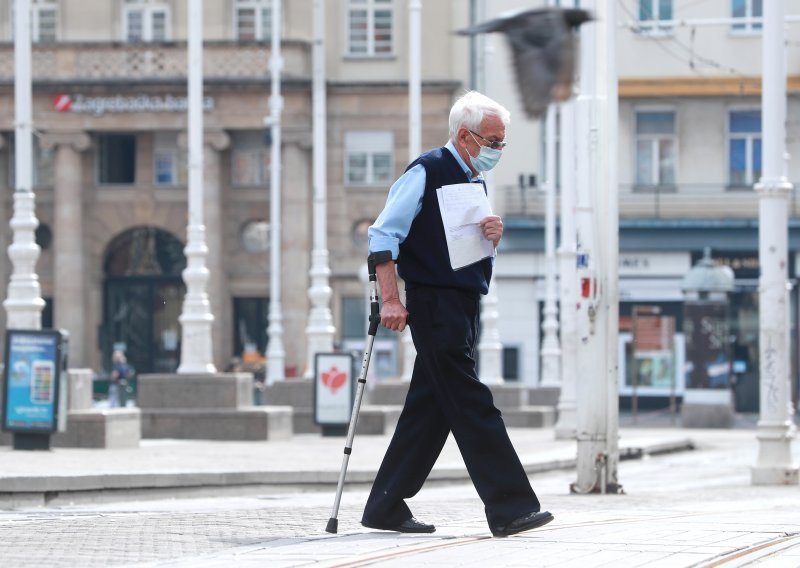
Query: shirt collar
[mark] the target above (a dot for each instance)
(461, 162)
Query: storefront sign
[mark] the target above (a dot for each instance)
(99, 106)
(32, 374)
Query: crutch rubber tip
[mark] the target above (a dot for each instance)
(333, 525)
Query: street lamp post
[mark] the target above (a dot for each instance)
(320, 329)
(275, 352)
(196, 317)
(774, 465)
(24, 302)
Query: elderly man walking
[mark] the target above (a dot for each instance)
(443, 307)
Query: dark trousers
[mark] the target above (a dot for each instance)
(445, 395)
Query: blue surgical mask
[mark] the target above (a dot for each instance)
(486, 159)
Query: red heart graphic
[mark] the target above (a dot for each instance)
(334, 379)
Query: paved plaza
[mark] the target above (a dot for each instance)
(681, 507)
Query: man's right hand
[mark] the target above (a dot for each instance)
(394, 315)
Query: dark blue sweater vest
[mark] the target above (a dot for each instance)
(424, 260)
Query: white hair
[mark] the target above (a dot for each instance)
(470, 110)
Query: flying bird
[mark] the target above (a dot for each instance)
(544, 46)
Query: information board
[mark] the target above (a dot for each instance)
(33, 366)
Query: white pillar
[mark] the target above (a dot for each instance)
(775, 465)
(320, 329)
(551, 350)
(596, 403)
(69, 296)
(275, 352)
(610, 223)
(197, 354)
(490, 347)
(24, 302)
(414, 138)
(568, 279)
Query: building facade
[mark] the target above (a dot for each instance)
(109, 108)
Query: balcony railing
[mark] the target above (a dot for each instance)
(698, 200)
(100, 62)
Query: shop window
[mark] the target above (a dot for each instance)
(652, 14)
(369, 27)
(170, 167)
(655, 148)
(744, 147)
(511, 358)
(250, 320)
(253, 20)
(249, 160)
(368, 157)
(145, 20)
(750, 14)
(116, 159)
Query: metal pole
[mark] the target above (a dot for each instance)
(320, 329)
(24, 302)
(611, 237)
(551, 350)
(774, 465)
(414, 138)
(275, 352)
(568, 278)
(490, 347)
(196, 318)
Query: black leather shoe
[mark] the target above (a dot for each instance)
(526, 522)
(411, 525)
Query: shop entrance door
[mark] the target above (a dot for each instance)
(143, 298)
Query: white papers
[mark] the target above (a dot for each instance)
(463, 205)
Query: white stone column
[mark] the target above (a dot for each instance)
(775, 465)
(69, 299)
(216, 142)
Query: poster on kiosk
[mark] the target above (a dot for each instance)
(334, 392)
(35, 362)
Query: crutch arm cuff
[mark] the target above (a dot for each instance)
(376, 258)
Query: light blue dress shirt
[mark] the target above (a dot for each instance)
(403, 205)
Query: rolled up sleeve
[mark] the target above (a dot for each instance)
(403, 204)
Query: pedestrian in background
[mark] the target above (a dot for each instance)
(120, 372)
(444, 308)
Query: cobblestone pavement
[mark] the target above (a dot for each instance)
(685, 509)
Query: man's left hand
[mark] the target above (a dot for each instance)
(492, 228)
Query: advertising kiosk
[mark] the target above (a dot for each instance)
(34, 386)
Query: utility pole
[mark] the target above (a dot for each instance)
(320, 329)
(414, 137)
(597, 398)
(24, 302)
(196, 318)
(774, 465)
(275, 352)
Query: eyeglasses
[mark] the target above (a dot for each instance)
(494, 145)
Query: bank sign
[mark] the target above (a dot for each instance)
(99, 106)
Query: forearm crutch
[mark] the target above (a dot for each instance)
(374, 321)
